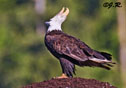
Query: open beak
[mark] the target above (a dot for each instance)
(64, 12)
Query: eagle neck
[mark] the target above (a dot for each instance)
(53, 32)
(56, 27)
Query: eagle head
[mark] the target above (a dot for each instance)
(56, 21)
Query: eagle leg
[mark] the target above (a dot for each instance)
(68, 68)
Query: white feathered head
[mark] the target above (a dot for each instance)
(56, 21)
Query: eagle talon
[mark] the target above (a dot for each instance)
(61, 77)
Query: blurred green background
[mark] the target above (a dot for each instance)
(24, 58)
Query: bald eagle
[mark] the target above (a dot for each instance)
(71, 51)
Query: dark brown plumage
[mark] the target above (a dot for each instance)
(69, 50)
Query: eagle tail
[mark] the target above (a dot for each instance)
(97, 64)
(107, 64)
(102, 57)
(107, 55)
(103, 61)
(104, 66)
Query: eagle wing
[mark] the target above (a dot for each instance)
(72, 47)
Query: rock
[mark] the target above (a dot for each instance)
(70, 83)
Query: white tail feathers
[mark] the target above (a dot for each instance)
(100, 60)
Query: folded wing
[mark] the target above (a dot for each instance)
(77, 51)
